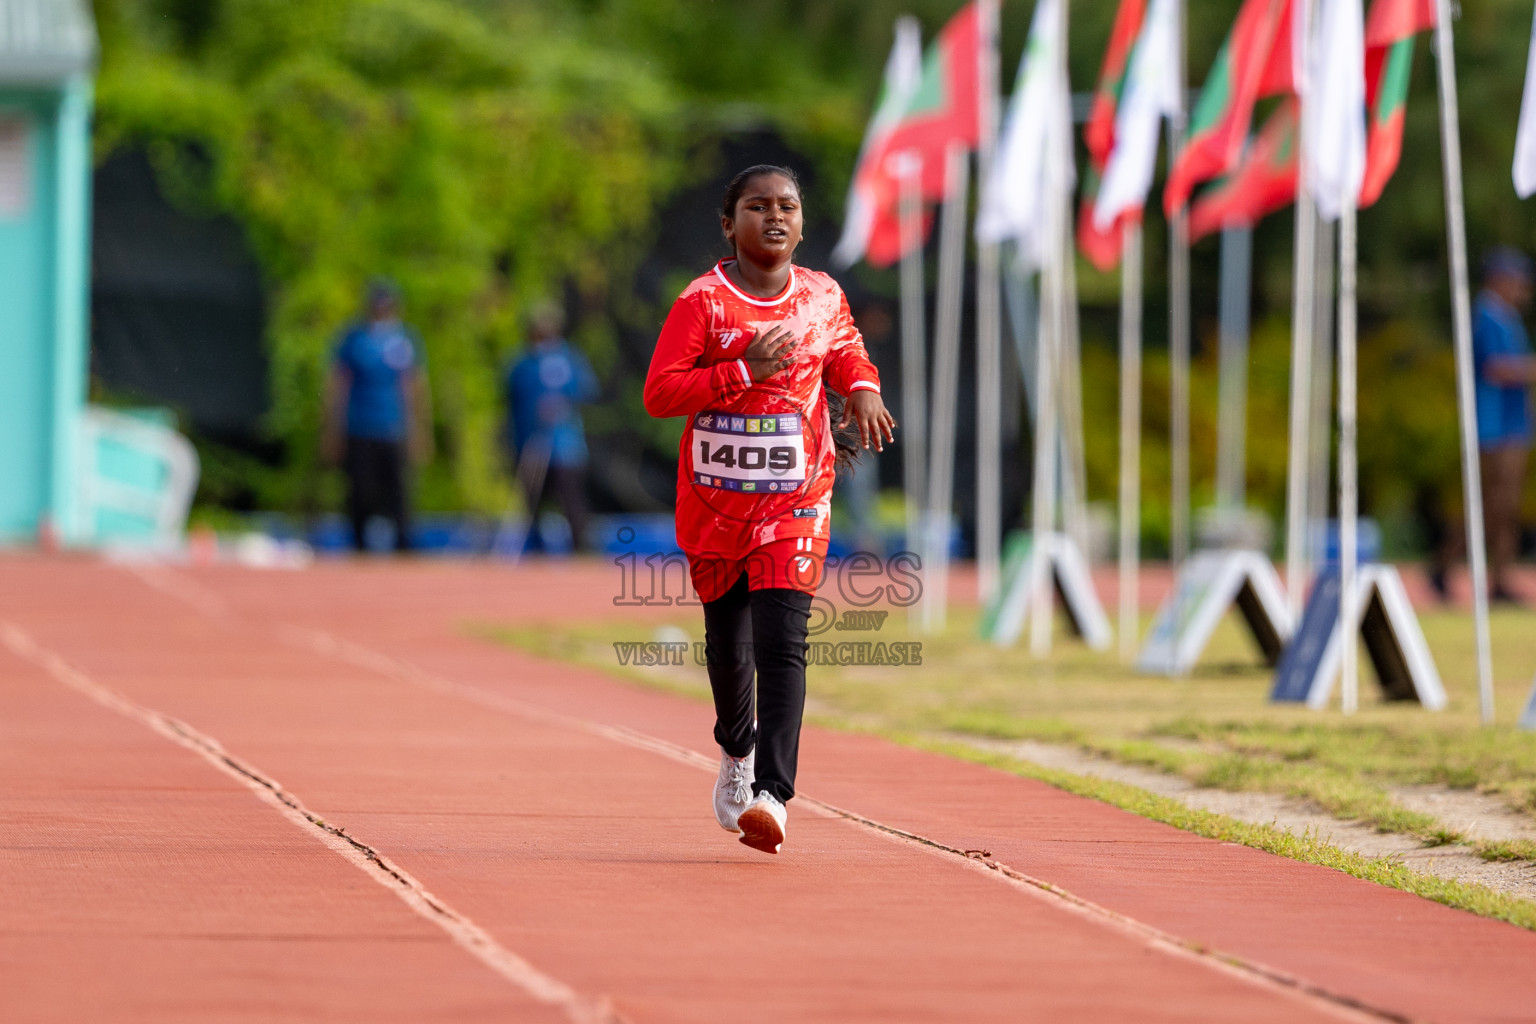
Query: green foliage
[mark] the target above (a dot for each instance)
(1409, 454)
(401, 137)
(487, 153)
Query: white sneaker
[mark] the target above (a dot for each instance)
(762, 823)
(733, 788)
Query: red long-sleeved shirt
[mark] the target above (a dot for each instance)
(756, 460)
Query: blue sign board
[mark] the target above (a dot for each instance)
(1303, 656)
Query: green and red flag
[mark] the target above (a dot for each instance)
(923, 111)
(1103, 247)
(1100, 132)
(872, 229)
(1254, 61)
(944, 109)
(1389, 32)
(1264, 182)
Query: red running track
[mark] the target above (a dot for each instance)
(236, 795)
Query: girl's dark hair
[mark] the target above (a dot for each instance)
(845, 442)
(738, 185)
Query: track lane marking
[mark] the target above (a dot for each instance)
(1272, 979)
(578, 1008)
(322, 642)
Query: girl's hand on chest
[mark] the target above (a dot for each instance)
(809, 342)
(771, 351)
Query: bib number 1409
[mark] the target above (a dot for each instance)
(749, 456)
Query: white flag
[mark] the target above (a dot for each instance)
(1335, 137)
(1525, 135)
(903, 69)
(1014, 205)
(1151, 92)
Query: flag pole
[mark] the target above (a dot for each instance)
(1305, 286)
(1130, 437)
(1348, 474)
(1232, 418)
(1178, 330)
(1461, 305)
(989, 370)
(1048, 346)
(946, 372)
(1069, 369)
(914, 372)
(1047, 444)
(1324, 359)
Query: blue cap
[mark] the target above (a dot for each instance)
(1506, 261)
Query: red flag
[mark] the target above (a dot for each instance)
(1255, 61)
(1264, 183)
(1392, 20)
(1389, 32)
(884, 248)
(1100, 132)
(1280, 70)
(944, 110)
(1103, 247)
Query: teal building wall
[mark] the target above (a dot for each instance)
(44, 296)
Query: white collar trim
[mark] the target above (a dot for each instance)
(789, 289)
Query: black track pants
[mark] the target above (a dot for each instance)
(763, 630)
(376, 486)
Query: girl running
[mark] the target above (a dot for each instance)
(745, 355)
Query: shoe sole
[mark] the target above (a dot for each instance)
(760, 831)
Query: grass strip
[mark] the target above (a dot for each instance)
(1505, 849)
(1346, 796)
(1307, 848)
(1329, 787)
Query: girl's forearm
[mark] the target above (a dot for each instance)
(672, 391)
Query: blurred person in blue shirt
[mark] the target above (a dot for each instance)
(1505, 370)
(545, 390)
(378, 414)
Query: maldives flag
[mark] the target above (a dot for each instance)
(1100, 133)
(1389, 32)
(1265, 182)
(1254, 61)
(1103, 247)
(883, 247)
(944, 108)
(871, 229)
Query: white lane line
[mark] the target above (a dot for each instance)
(1316, 997)
(579, 1009)
(181, 587)
(328, 644)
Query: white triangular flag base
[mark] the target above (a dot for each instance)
(1388, 628)
(1210, 584)
(1074, 588)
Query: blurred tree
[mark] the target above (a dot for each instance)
(399, 137)
(490, 152)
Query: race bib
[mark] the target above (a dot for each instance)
(763, 454)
